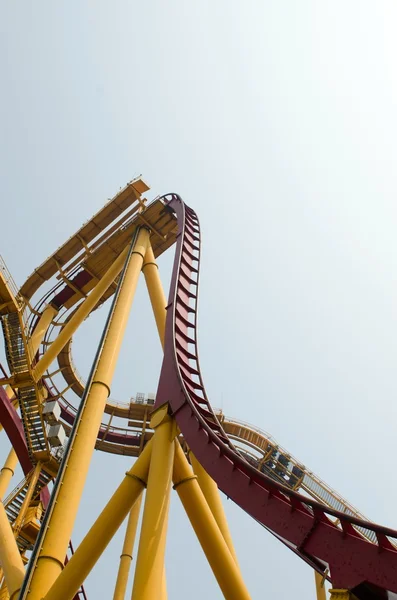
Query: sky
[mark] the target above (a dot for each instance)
(276, 122)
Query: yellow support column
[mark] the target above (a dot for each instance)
(126, 555)
(211, 494)
(149, 572)
(103, 530)
(164, 594)
(320, 588)
(7, 471)
(60, 525)
(10, 558)
(156, 292)
(41, 328)
(209, 535)
(159, 302)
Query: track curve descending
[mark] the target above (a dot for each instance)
(262, 478)
(305, 526)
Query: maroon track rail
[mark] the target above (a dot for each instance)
(301, 524)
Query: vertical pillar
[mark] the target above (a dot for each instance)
(61, 521)
(159, 303)
(211, 494)
(211, 539)
(7, 471)
(320, 589)
(156, 292)
(149, 572)
(126, 554)
(10, 558)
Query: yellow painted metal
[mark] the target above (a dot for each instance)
(88, 232)
(156, 292)
(337, 594)
(40, 330)
(126, 555)
(10, 558)
(4, 595)
(103, 530)
(320, 589)
(164, 594)
(7, 471)
(211, 494)
(60, 525)
(159, 303)
(149, 572)
(209, 535)
(81, 313)
(26, 501)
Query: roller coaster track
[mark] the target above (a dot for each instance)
(248, 466)
(305, 526)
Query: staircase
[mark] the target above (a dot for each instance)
(14, 501)
(17, 358)
(33, 423)
(14, 344)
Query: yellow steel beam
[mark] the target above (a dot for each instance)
(25, 504)
(337, 594)
(164, 594)
(208, 533)
(211, 494)
(103, 530)
(7, 471)
(149, 572)
(126, 554)
(320, 589)
(40, 330)
(10, 558)
(156, 292)
(60, 524)
(159, 303)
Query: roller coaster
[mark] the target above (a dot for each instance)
(54, 420)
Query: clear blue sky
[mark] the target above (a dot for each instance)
(277, 122)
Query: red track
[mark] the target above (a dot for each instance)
(301, 524)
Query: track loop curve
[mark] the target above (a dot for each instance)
(307, 527)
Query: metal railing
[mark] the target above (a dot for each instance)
(8, 277)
